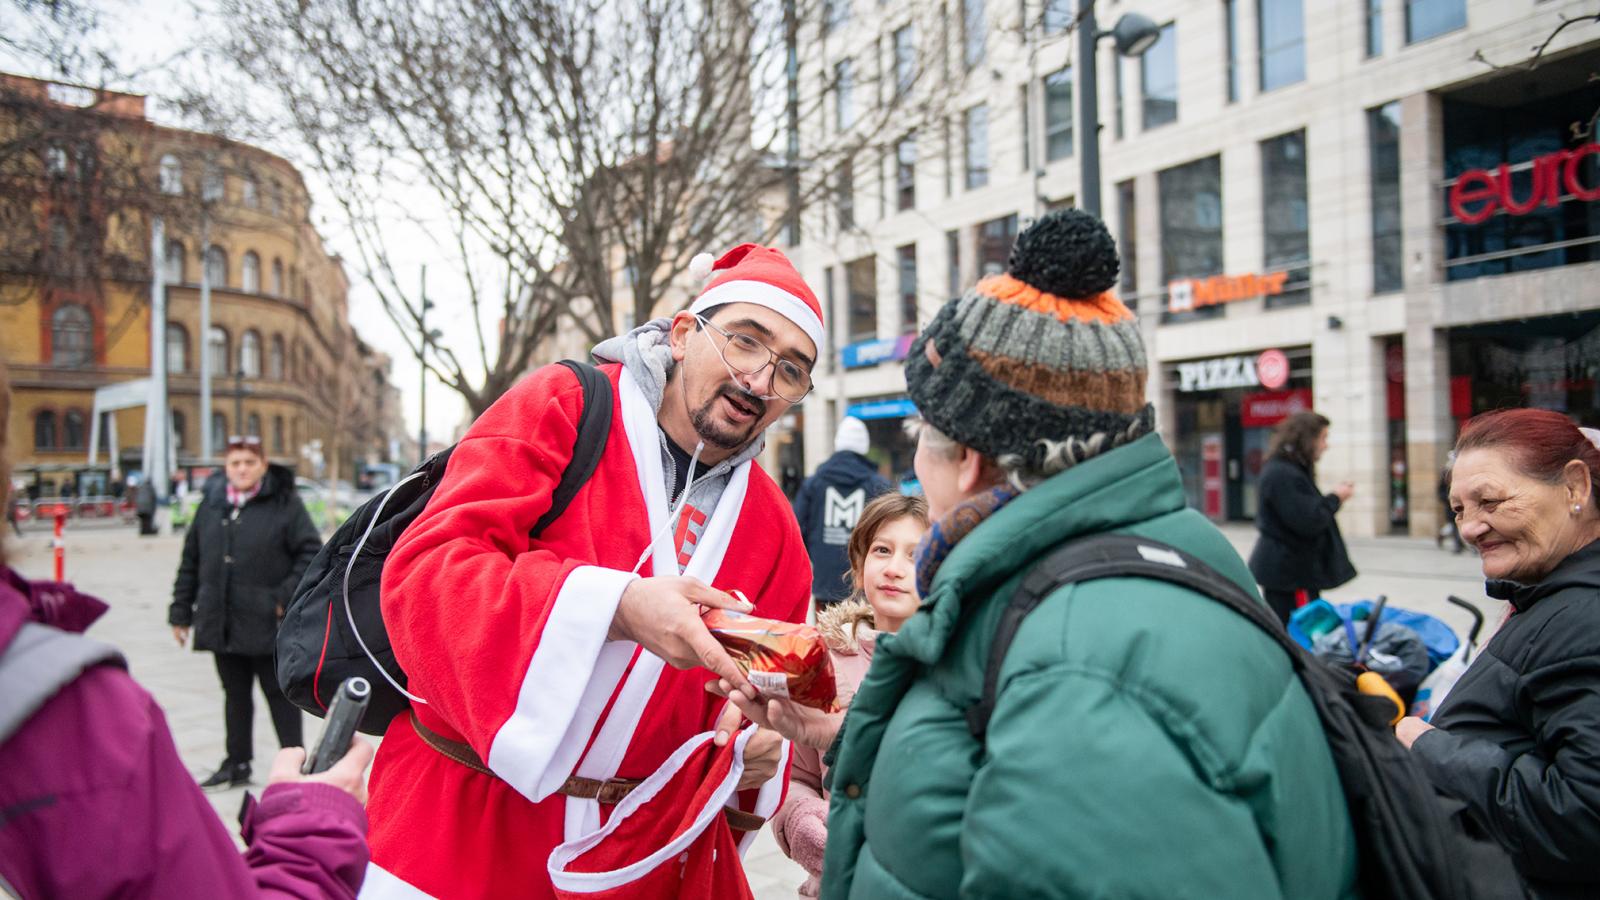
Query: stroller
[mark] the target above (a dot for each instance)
(1418, 655)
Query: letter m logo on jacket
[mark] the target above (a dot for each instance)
(840, 513)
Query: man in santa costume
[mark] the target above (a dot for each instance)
(557, 672)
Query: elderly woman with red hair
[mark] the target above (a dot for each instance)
(1518, 738)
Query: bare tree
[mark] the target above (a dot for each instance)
(544, 146)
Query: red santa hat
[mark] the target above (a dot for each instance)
(751, 273)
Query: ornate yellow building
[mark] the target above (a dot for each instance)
(78, 203)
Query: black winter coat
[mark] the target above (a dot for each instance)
(1300, 545)
(1518, 738)
(826, 521)
(238, 572)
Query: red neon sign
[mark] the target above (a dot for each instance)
(1480, 193)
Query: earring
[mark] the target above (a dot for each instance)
(1577, 508)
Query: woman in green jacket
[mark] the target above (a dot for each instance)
(1146, 740)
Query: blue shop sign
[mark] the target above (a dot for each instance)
(871, 353)
(882, 409)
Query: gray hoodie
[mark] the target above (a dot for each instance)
(646, 354)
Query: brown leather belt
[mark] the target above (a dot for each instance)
(608, 792)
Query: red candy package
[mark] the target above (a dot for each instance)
(781, 659)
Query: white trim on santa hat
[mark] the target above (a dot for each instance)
(770, 296)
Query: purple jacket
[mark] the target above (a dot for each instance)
(94, 801)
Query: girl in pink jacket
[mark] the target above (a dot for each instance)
(883, 577)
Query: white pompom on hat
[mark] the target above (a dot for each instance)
(763, 276)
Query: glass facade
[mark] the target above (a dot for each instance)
(1383, 140)
(995, 238)
(1285, 216)
(1058, 115)
(861, 281)
(1191, 227)
(1158, 70)
(1128, 244)
(975, 124)
(1431, 18)
(1281, 28)
(907, 258)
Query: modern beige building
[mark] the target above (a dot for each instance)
(286, 363)
(1386, 211)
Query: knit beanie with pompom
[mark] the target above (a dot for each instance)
(1042, 352)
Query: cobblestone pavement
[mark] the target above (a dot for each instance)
(134, 575)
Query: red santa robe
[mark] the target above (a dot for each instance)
(505, 640)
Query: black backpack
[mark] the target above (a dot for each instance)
(333, 628)
(1412, 842)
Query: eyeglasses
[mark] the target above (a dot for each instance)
(743, 353)
(244, 442)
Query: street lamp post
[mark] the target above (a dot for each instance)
(1133, 35)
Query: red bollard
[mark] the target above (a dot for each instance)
(60, 545)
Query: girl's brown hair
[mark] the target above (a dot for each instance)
(5, 463)
(885, 509)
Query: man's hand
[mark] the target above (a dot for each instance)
(181, 632)
(761, 752)
(805, 726)
(1344, 490)
(660, 615)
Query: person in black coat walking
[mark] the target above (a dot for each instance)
(249, 543)
(830, 503)
(1518, 737)
(1300, 551)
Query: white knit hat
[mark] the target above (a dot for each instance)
(852, 436)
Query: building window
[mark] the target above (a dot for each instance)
(1191, 225)
(905, 175)
(1374, 28)
(219, 432)
(44, 430)
(211, 185)
(974, 32)
(55, 160)
(275, 359)
(175, 263)
(1158, 70)
(907, 258)
(995, 238)
(949, 159)
(1058, 115)
(71, 336)
(1058, 16)
(952, 255)
(1431, 18)
(217, 346)
(1281, 29)
(275, 198)
(1383, 141)
(250, 273)
(844, 194)
(253, 425)
(1128, 243)
(277, 434)
(248, 194)
(861, 282)
(843, 95)
(1285, 216)
(177, 349)
(905, 60)
(170, 179)
(1026, 108)
(73, 431)
(277, 277)
(217, 266)
(180, 428)
(1230, 16)
(975, 123)
(250, 354)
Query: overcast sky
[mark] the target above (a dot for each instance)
(150, 37)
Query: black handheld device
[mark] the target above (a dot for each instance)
(344, 713)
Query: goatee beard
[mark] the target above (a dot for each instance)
(713, 431)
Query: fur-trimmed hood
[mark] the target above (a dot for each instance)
(838, 624)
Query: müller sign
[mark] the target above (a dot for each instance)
(1480, 193)
(1186, 294)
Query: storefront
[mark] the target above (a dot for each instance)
(1550, 363)
(1224, 410)
(892, 448)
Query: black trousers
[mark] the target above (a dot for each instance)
(237, 671)
(1283, 603)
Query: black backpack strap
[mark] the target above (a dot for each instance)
(1112, 556)
(594, 426)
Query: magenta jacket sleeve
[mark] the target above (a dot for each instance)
(111, 810)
